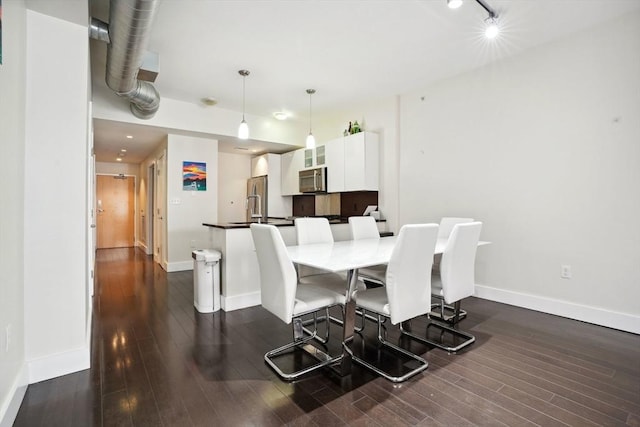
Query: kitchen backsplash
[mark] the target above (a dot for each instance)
(343, 204)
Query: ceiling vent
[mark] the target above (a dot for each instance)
(127, 35)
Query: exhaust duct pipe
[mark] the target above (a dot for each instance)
(127, 35)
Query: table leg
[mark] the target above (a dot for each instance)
(349, 316)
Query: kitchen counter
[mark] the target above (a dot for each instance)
(239, 271)
(278, 222)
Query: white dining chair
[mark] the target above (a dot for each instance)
(309, 231)
(407, 290)
(315, 230)
(365, 227)
(444, 231)
(455, 281)
(447, 223)
(284, 297)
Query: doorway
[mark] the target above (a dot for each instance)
(151, 196)
(116, 211)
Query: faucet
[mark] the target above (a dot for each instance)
(258, 214)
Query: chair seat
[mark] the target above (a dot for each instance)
(374, 300)
(333, 282)
(376, 272)
(313, 298)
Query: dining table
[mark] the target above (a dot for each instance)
(349, 256)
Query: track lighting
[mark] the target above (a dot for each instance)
(243, 129)
(492, 29)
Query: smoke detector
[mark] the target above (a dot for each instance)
(209, 101)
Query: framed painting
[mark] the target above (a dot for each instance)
(194, 176)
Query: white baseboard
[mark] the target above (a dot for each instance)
(598, 316)
(237, 302)
(10, 407)
(179, 266)
(48, 367)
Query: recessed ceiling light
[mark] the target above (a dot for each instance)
(454, 4)
(119, 159)
(281, 115)
(123, 150)
(129, 136)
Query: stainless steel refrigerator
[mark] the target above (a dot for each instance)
(257, 199)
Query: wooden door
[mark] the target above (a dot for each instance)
(115, 206)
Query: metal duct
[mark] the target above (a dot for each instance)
(128, 33)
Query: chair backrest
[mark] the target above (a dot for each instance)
(363, 227)
(408, 279)
(278, 279)
(313, 230)
(447, 223)
(457, 268)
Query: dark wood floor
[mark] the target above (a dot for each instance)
(157, 361)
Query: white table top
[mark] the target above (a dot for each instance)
(350, 254)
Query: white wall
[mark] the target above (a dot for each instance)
(13, 378)
(55, 197)
(544, 149)
(187, 210)
(233, 172)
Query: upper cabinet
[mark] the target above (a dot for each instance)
(334, 157)
(353, 163)
(295, 161)
(260, 165)
(314, 157)
(292, 162)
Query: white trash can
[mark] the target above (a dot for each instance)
(206, 280)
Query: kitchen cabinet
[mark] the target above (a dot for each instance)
(314, 157)
(353, 163)
(260, 165)
(334, 158)
(291, 163)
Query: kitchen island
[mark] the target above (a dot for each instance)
(239, 272)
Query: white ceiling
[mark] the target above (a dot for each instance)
(350, 51)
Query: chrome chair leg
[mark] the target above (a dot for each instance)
(446, 313)
(443, 328)
(300, 340)
(422, 363)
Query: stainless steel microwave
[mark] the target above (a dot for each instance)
(313, 180)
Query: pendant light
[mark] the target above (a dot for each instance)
(311, 141)
(243, 129)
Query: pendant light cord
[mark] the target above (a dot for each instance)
(244, 79)
(310, 112)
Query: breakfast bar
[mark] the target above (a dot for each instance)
(239, 273)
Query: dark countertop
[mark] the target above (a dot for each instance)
(234, 225)
(278, 222)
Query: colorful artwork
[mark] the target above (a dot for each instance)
(194, 176)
